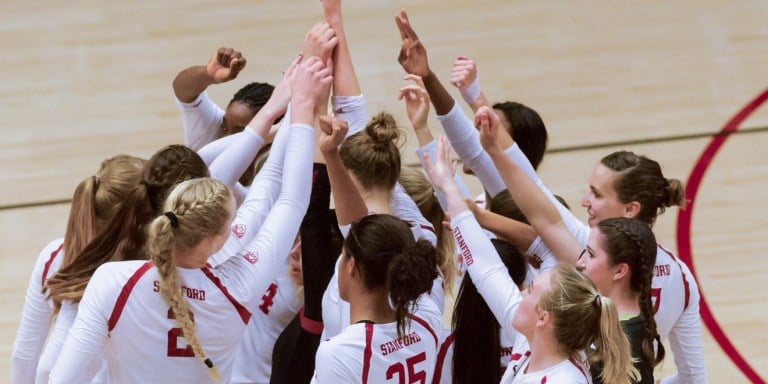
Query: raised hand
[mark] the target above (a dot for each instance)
(225, 65)
(413, 55)
(333, 130)
(464, 73)
(310, 84)
(416, 101)
(320, 41)
(441, 171)
(488, 123)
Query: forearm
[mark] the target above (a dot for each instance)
(441, 99)
(345, 81)
(191, 82)
(518, 234)
(350, 206)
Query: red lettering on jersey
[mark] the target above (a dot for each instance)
(238, 230)
(156, 284)
(662, 270)
(268, 298)
(395, 345)
(173, 339)
(463, 247)
(506, 351)
(252, 257)
(656, 299)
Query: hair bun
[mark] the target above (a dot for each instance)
(383, 129)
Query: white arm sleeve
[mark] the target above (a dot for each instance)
(465, 140)
(275, 238)
(209, 152)
(201, 119)
(82, 353)
(35, 321)
(64, 321)
(403, 207)
(431, 149)
(687, 348)
(353, 110)
(487, 271)
(235, 160)
(260, 198)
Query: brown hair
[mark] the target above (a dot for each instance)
(641, 180)
(96, 200)
(386, 254)
(423, 194)
(123, 237)
(631, 241)
(200, 208)
(583, 317)
(373, 155)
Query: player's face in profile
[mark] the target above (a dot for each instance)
(528, 312)
(236, 117)
(601, 201)
(596, 264)
(294, 263)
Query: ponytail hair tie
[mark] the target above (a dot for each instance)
(208, 363)
(95, 182)
(172, 217)
(597, 301)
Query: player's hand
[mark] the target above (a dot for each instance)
(225, 65)
(441, 171)
(464, 72)
(320, 41)
(311, 80)
(416, 101)
(332, 133)
(488, 123)
(413, 55)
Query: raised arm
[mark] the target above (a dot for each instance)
(464, 77)
(485, 267)
(413, 59)
(346, 198)
(533, 202)
(224, 66)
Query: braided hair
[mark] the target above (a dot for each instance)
(631, 241)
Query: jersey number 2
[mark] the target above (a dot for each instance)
(173, 339)
(413, 375)
(268, 299)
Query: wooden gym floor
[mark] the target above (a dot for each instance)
(84, 80)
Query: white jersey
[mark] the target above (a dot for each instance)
(336, 310)
(201, 119)
(572, 370)
(36, 315)
(373, 353)
(443, 366)
(124, 317)
(277, 307)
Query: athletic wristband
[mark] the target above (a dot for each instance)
(312, 326)
(472, 92)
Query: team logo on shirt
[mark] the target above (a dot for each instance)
(252, 257)
(238, 230)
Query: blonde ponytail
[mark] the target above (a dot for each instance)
(612, 347)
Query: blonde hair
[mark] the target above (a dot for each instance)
(423, 194)
(195, 210)
(373, 155)
(583, 317)
(96, 200)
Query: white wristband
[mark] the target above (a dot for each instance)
(472, 92)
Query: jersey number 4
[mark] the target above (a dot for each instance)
(268, 299)
(413, 375)
(173, 339)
